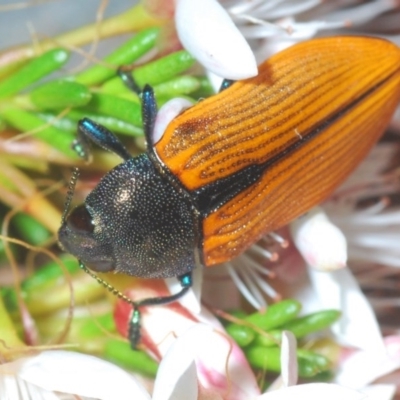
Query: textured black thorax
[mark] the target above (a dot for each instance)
(145, 220)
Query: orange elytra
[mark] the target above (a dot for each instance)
(308, 119)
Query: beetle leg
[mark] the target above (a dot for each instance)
(89, 130)
(186, 283)
(129, 81)
(149, 114)
(149, 105)
(134, 323)
(225, 84)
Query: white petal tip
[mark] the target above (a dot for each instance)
(167, 113)
(208, 33)
(322, 244)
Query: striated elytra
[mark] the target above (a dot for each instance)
(282, 142)
(237, 165)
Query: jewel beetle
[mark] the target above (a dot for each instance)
(237, 165)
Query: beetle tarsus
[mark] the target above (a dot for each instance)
(134, 328)
(134, 322)
(128, 79)
(225, 84)
(149, 105)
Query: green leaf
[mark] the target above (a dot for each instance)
(30, 229)
(129, 52)
(155, 72)
(113, 106)
(268, 359)
(48, 274)
(303, 326)
(112, 123)
(242, 335)
(177, 86)
(163, 69)
(33, 72)
(60, 94)
(276, 314)
(27, 121)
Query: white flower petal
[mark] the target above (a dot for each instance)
(215, 80)
(177, 376)
(208, 33)
(321, 243)
(185, 385)
(191, 300)
(197, 278)
(289, 359)
(15, 388)
(358, 326)
(220, 363)
(325, 391)
(380, 392)
(167, 113)
(82, 375)
(363, 367)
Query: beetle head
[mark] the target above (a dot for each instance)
(133, 222)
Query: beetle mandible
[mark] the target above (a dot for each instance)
(237, 165)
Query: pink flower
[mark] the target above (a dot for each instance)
(220, 364)
(199, 360)
(361, 369)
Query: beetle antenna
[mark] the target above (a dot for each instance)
(70, 193)
(134, 322)
(109, 287)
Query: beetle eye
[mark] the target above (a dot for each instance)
(80, 220)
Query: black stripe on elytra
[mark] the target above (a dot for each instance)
(211, 197)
